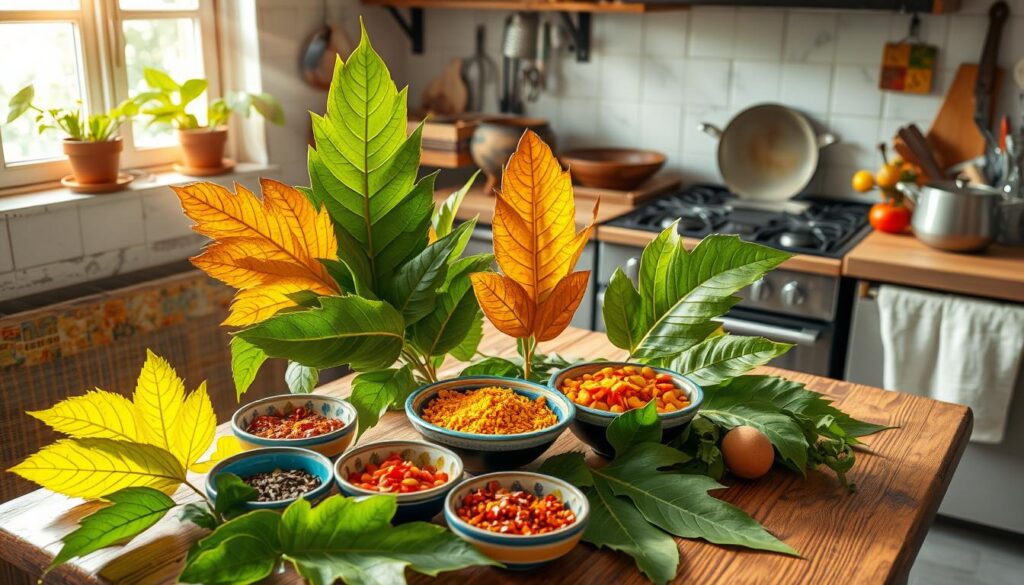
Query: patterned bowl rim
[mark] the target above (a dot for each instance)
(394, 444)
(319, 439)
(452, 517)
(557, 428)
(696, 391)
(324, 487)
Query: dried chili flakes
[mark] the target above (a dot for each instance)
(395, 475)
(497, 509)
(300, 423)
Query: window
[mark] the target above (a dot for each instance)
(95, 51)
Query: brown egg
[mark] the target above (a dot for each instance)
(747, 452)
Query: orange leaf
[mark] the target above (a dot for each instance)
(536, 245)
(504, 302)
(266, 248)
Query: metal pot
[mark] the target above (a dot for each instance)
(768, 152)
(953, 215)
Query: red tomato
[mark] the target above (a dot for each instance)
(889, 217)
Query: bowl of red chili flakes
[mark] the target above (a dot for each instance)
(322, 423)
(518, 518)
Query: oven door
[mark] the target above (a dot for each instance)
(812, 351)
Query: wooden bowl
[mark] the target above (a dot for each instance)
(495, 139)
(612, 168)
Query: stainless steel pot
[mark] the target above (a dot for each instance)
(768, 152)
(953, 215)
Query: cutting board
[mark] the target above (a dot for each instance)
(953, 135)
(447, 95)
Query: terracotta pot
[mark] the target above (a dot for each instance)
(94, 162)
(495, 140)
(203, 148)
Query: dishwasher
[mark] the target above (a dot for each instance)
(986, 488)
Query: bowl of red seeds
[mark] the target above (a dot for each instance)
(321, 423)
(419, 474)
(518, 518)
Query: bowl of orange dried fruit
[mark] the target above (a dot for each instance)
(603, 390)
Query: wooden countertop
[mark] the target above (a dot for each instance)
(477, 202)
(997, 273)
(871, 536)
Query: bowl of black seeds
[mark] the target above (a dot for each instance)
(280, 475)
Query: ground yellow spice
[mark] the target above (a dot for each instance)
(489, 411)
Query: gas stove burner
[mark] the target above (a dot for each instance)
(797, 239)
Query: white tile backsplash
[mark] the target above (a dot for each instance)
(712, 32)
(111, 226)
(661, 128)
(665, 33)
(620, 77)
(759, 34)
(754, 82)
(806, 86)
(44, 237)
(696, 142)
(619, 34)
(618, 123)
(855, 90)
(861, 37)
(163, 218)
(810, 36)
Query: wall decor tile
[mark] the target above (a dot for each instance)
(661, 127)
(806, 86)
(712, 32)
(861, 36)
(110, 226)
(41, 238)
(855, 90)
(810, 36)
(754, 82)
(665, 33)
(620, 77)
(759, 34)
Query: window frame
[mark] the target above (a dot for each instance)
(101, 57)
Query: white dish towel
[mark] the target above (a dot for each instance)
(953, 348)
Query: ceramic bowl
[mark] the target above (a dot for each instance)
(517, 551)
(484, 453)
(330, 444)
(422, 505)
(248, 463)
(612, 168)
(495, 139)
(590, 424)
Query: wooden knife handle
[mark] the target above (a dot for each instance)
(985, 84)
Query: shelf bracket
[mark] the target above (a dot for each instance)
(413, 28)
(580, 30)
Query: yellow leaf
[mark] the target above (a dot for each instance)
(254, 305)
(226, 447)
(98, 413)
(536, 246)
(194, 428)
(259, 244)
(92, 468)
(159, 394)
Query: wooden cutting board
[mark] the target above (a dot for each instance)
(447, 95)
(953, 135)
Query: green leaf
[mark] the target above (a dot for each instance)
(493, 366)
(374, 392)
(199, 514)
(639, 425)
(724, 357)
(232, 492)
(131, 511)
(159, 80)
(21, 102)
(783, 432)
(238, 560)
(343, 330)
(444, 215)
(413, 289)
(621, 311)
(301, 379)
(679, 503)
(192, 89)
(262, 524)
(466, 349)
(246, 360)
(456, 312)
(571, 466)
(269, 107)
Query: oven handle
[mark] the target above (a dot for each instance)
(773, 332)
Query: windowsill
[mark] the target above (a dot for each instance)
(49, 196)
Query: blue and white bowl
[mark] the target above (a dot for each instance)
(330, 444)
(590, 424)
(482, 453)
(514, 550)
(422, 505)
(248, 463)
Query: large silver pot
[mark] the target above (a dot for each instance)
(953, 215)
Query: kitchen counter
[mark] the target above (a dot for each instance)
(903, 259)
(871, 536)
(478, 202)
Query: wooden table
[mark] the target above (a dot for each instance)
(871, 536)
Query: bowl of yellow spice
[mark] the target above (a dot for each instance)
(492, 423)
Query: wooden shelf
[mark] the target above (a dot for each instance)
(445, 160)
(528, 5)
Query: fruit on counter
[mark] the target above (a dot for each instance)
(625, 388)
(395, 475)
(747, 452)
(889, 173)
(890, 216)
(863, 181)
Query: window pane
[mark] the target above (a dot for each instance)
(157, 4)
(54, 71)
(167, 44)
(38, 4)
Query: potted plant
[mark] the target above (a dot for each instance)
(91, 143)
(202, 147)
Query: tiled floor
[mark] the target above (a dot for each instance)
(958, 554)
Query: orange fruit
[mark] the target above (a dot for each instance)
(863, 181)
(887, 176)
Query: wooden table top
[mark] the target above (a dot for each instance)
(871, 536)
(998, 272)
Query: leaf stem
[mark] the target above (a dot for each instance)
(529, 347)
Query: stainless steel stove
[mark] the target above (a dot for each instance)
(805, 307)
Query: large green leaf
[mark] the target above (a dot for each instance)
(466, 349)
(374, 392)
(364, 167)
(246, 360)
(639, 425)
(785, 434)
(232, 493)
(621, 311)
(444, 215)
(723, 357)
(493, 366)
(301, 379)
(413, 289)
(342, 330)
(22, 101)
(455, 313)
(241, 551)
(131, 511)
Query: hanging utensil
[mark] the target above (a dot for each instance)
(477, 71)
(984, 86)
(519, 44)
(316, 62)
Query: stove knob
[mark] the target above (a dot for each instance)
(760, 290)
(793, 294)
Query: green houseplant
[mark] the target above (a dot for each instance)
(202, 146)
(91, 142)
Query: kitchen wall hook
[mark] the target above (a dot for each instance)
(580, 31)
(413, 28)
